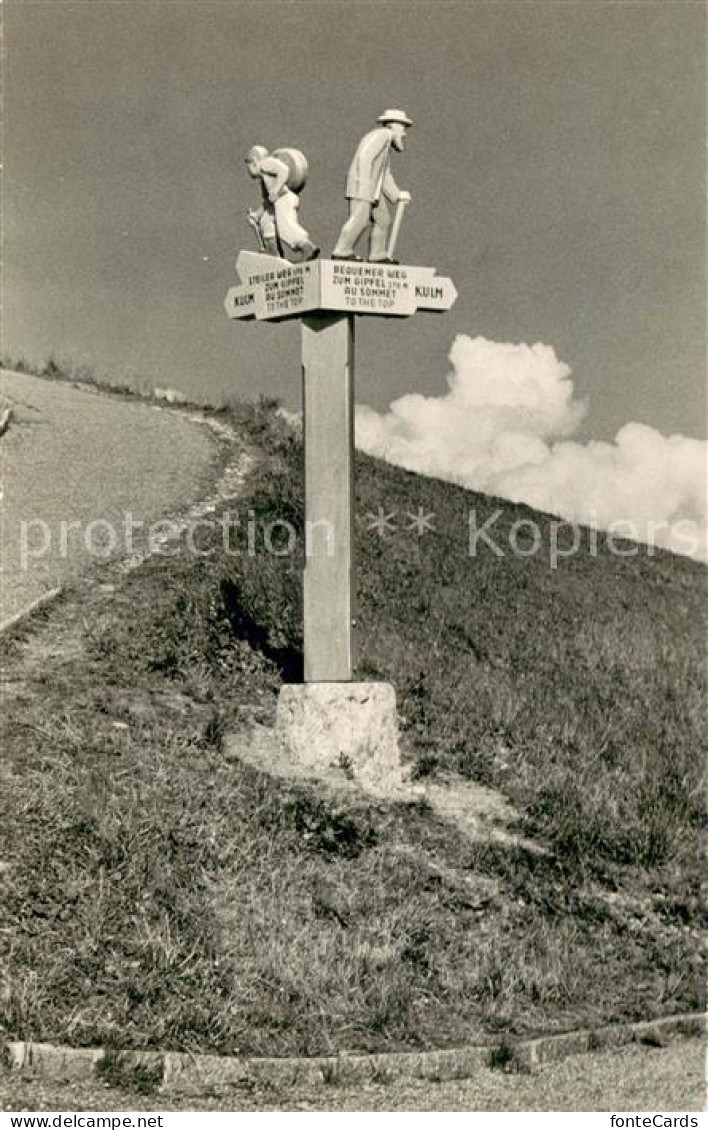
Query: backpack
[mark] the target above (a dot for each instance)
(297, 167)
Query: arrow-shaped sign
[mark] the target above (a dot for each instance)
(437, 293)
(240, 302)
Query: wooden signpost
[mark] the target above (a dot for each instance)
(326, 295)
(332, 718)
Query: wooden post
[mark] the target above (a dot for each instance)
(326, 294)
(328, 426)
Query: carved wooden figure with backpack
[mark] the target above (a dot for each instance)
(283, 175)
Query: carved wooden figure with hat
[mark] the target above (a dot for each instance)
(370, 184)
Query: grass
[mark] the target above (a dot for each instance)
(158, 893)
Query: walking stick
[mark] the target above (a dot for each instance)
(257, 229)
(400, 207)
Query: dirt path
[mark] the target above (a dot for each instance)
(626, 1079)
(72, 457)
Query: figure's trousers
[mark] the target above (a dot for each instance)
(363, 213)
(290, 230)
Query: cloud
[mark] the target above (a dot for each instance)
(503, 427)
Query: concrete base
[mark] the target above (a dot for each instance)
(353, 726)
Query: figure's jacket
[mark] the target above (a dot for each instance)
(369, 175)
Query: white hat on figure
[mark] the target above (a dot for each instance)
(394, 116)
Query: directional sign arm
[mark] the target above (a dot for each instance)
(240, 302)
(435, 294)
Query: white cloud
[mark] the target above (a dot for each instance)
(503, 427)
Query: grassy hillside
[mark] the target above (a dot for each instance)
(159, 893)
(578, 690)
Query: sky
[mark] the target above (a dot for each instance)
(556, 165)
